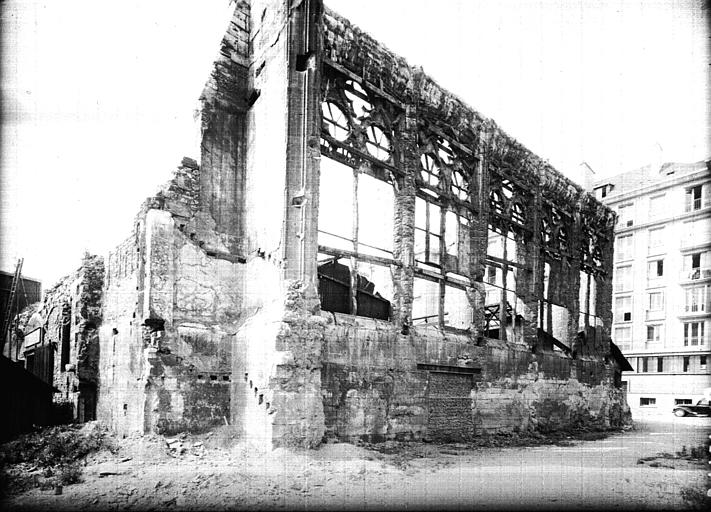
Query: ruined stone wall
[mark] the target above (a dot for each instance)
(68, 318)
(220, 316)
(121, 393)
(380, 384)
(170, 305)
(223, 106)
(386, 379)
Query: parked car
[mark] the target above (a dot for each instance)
(702, 408)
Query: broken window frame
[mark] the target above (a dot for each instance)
(509, 204)
(588, 306)
(437, 265)
(507, 268)
(510, 217)
(370, 137)
(354, 254)
(356, 299)
(556, 226)
(368, 148)
(440, 179)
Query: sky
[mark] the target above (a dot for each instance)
(98, 97)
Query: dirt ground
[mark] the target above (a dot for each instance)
(621, 471)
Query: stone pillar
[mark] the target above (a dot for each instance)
(479, 237)
(529, 283)
(404, 222)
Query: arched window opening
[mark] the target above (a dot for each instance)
(358, 98)
(335, 121)
(497, 202)
(377, 143)
(460, 187)
(429, 172)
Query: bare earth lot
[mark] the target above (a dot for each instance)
(597, 474)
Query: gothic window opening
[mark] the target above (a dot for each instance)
(335, 121)
(442, 258)
(508, 204)
(588, 320)
(355, 237)
(429, 172)
(358, 99)
(428, 236)
(445, 169)
(497, 202)
(377, 143)
(460, 187)
(356, 125)
(502, 307)
(517, 214)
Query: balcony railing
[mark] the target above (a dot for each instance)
(700, 308)
(695, 274)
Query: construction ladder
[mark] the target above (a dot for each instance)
(10, 303)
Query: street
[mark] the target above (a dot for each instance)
(604, 473)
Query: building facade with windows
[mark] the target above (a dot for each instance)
(662, 281)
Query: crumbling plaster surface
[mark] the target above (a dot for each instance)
(170, 318)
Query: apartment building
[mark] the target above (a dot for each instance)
(662, 282)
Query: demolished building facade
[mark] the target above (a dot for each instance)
(57, 340)
(358, 254)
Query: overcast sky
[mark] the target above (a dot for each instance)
(98, 96)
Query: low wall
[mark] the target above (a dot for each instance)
(380, 384)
